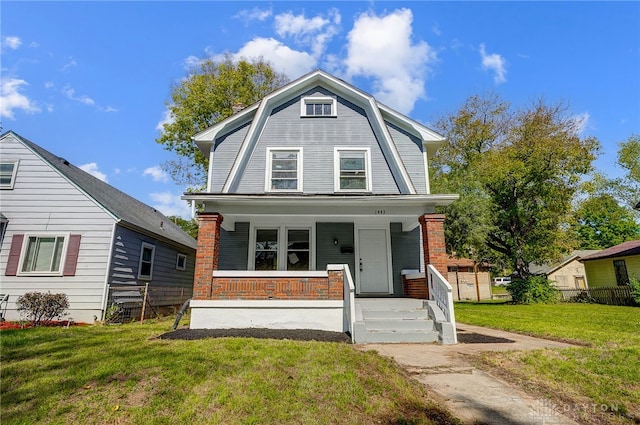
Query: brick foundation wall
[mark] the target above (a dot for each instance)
(415, 288)
(277, 288)
(435, 251)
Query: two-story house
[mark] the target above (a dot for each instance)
(316, 179)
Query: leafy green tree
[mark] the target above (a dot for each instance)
(629, 157)
(204, 97)
(600, 222)
(189, 226)
(522, 168)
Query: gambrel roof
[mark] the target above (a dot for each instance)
(377, 113)
(125, 209)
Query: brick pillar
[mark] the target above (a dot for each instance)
(435, 252)
(207, 254)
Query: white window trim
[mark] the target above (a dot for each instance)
(282, 236)
(23, 254)
(153, 254)
(268, 175)
(178, 257)
(15, 163)
(336, 169)
(318, 99)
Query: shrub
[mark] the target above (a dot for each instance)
(534, 290)
(38, 307)
(635, 289)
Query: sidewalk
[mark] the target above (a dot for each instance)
(471, 394)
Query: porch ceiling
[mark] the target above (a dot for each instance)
(379, 208)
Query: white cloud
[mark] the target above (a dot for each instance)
(169, 204)
(494, 62)
(71, 94)
(11, 98)
(293, 63)
(92, 168)
(11, 41)
(166, 119)
(314, 32)
(34, 44)
(110, 109)
(156, 173)
(49, 85)
(436, 30)
(254, 14)
(581, 121)
(399, 79)
(72, 62)
(193, 62)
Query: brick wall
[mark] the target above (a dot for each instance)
(415, 288)
(206, 254)
(435, 252)
(278, 288)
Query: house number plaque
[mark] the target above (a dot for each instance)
(380, 212)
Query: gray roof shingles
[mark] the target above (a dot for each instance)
(124, 207)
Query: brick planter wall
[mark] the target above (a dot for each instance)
(277, 288)
(415, 287)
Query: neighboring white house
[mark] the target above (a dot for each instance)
(316, 174)
(568, 273)
(64, 230)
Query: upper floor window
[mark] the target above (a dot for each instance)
(43, 254)
(620, 268)
(145, 268)
(352, 170)
(318, 107)
(181, 262)
(284, 170)
(8, 171)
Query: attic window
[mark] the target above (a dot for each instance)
(8, 171)
(318, 107)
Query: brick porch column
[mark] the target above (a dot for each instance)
(206, 254)
(435, 252)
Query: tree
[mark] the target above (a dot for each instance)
(600, 222)
(522, 169)
(206, 96)
(189, 226)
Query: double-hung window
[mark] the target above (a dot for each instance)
(145, 267)
(43, 254)
(181, 262)
(284, 170)
(293, 254)
(620, 268)
(352, 170)
(8, 170)
(316, 106)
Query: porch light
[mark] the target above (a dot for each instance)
(335, 241)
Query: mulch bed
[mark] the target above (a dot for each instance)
(45, 323)
(292, 334)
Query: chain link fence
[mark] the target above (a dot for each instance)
(129, 303)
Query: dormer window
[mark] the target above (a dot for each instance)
(284, 170)
(318, 107)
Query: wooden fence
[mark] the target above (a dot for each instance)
(615, 295)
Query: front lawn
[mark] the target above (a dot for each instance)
(597, 382)
(124, 375)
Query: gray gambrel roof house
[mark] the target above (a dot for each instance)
(64, 230)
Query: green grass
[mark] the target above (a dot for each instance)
(124, 375)
(597, 382)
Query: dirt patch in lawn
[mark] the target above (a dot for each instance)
(292, 334)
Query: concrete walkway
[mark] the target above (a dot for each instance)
(470, 394)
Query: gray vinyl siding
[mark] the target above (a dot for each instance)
(327, 252)
(42, 201)
(317, 136)
(126, 259)
(405, 253)
(226, 150)
(234, 248)
(411, 151)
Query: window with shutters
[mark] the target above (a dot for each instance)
(43, 254)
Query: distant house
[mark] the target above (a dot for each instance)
(316, 194)
(568, 273)
(64, 230)
(613, 266)
(462, 278)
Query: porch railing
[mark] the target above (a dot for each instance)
(349, 302)
(441, 292)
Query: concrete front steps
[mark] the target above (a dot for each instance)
(393, 320)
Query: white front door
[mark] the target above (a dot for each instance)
(373, 262)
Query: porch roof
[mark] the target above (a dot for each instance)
(326, 207)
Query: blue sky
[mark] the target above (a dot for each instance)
(89, 80)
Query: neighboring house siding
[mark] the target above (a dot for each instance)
(317, 136)
(327, 252)
(411, 151)
(126, 260)
(600, 273)
(565, 277)
(234, 248)
(226, 150)
(60, 207)
(405, 253)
